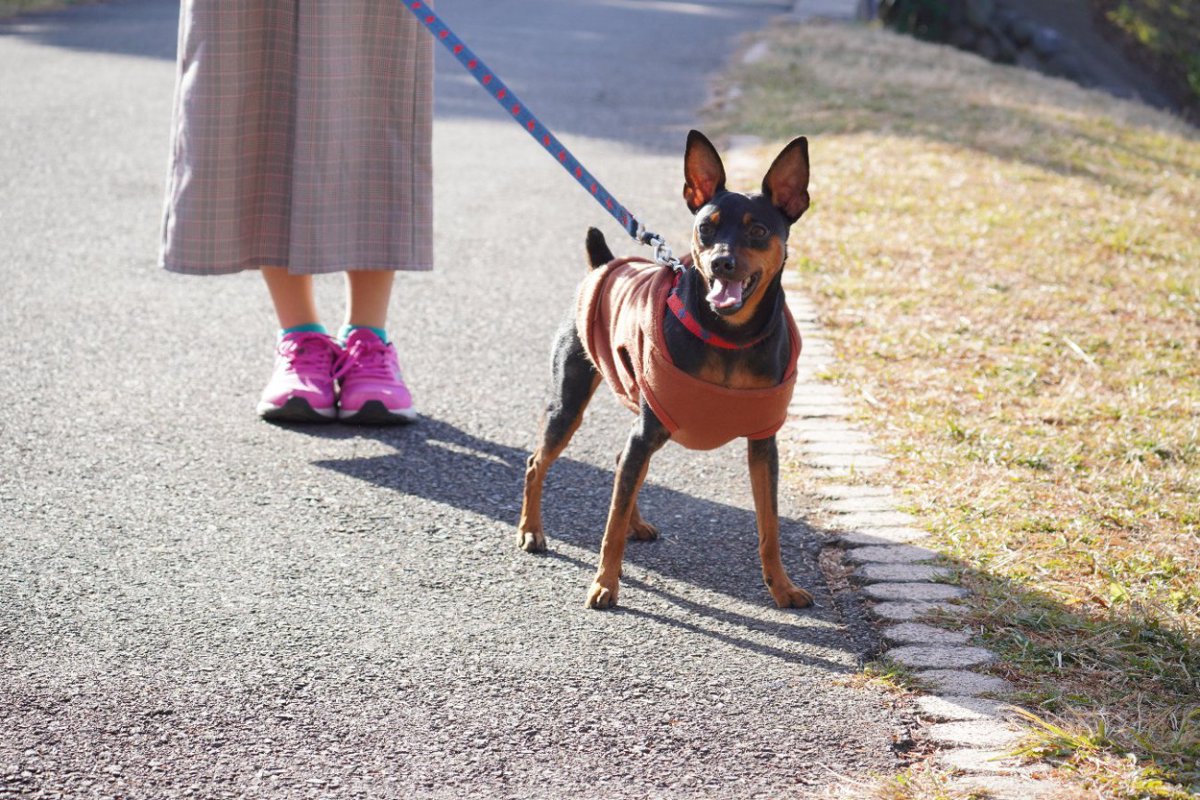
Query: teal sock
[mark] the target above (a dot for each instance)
(344, 333)
(312, 327)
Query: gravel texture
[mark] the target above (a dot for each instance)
(197, 603)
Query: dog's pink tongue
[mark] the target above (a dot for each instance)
(725, 294)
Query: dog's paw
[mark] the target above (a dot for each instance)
(791, 596)
(531, 541)
(642, 531)
(600, 596)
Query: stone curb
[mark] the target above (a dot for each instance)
(902, 572)
(907, 586)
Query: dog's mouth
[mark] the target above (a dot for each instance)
(728, 296)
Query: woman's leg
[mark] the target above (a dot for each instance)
(302, 387)
(373, 390)
(368, 294)
(292, 296)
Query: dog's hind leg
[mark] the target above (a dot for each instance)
(638, 527)
(764, 480)
(574, 383)
(647, 436)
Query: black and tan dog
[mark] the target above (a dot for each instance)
(702, 356)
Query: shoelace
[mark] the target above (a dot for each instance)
(368, 358)
(308, 352)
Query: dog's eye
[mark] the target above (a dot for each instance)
(705, 229)
(758, 231)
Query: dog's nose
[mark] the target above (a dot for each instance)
(723, 265)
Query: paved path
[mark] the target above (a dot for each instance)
(193, 602)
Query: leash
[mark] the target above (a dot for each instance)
(526, 119)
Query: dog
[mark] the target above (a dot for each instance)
(702, 356)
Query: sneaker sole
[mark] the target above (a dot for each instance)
(296, 409)
(373, 412)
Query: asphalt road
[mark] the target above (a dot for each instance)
(197, 603)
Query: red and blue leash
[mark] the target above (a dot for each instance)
(521, 114)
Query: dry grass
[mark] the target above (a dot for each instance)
(1010, 269)
(919, 782)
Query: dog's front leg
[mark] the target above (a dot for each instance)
(647, 436)
(764, 479)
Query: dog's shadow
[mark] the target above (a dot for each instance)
(704, 544)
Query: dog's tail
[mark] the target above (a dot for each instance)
(597, 249)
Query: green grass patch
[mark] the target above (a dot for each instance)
(1010, 266)
(1165, 34)
(891, 676)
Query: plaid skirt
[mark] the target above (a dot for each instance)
(300, 138)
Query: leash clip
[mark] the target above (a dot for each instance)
(662, 251)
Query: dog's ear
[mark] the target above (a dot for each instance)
(786, 183)
(597, 249)
(702, 170)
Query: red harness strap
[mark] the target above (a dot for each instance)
(675, 303)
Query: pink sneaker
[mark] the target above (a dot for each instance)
(302, 387)
(373, 390)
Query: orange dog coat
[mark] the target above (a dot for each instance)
(619, 314)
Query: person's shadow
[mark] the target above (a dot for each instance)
(708, 545)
